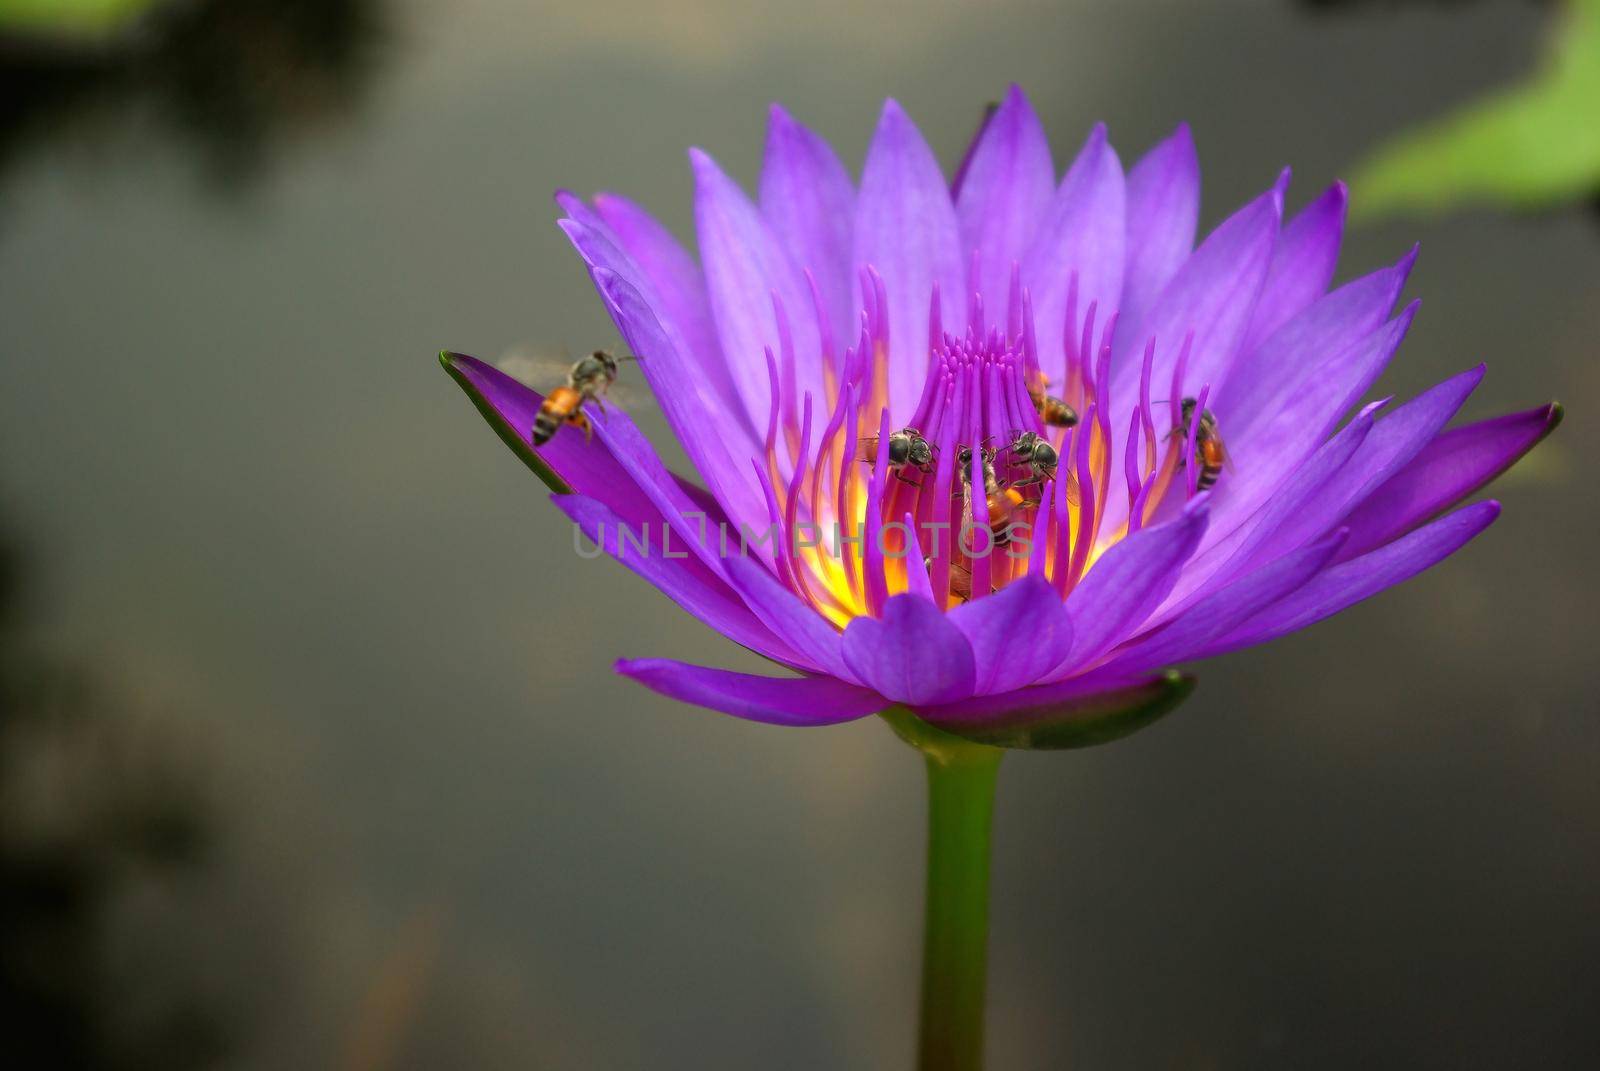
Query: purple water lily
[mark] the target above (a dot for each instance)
(1006, 596)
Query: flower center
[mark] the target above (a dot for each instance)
(996, 473)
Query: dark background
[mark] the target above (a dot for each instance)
(312, 753)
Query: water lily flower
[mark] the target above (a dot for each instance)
(826, 315)
(988, 455)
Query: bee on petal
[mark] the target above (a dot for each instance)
(588, 380)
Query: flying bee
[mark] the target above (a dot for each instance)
(1052, 410)
(1209, 452)
(588, 380)
(1002, 503)
(907, 449)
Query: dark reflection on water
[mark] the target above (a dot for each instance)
(233, 77)
(435, 829)
(93, 806)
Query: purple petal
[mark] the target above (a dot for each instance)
(913, 654)
(906, 229)
(1225, 609)
(787, 616)
(1163, 207)
(1266, 454)
(1017, 635)
(1083, 230)
(1126, 585)
(686, 386)
(960, 176)
(1004, 192)
(714, 442)
(745, 265)
(1451, 467)
(1268, 375)
(577, 463)
(676, 291)
(809, 203)
(793, 701)
(1275, 529)
(1394, 441)
(1348, 583)
(1212, 295)
(681, 579)
(1302, 265)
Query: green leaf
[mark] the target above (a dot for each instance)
(1082, 722)
(1530, 146)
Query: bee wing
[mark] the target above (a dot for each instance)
(625, 394)
(533, 366)
(867, 449)
(545, 369)
(1070, 485)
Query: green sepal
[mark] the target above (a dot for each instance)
(1082, 722)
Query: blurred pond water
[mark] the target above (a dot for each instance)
(403, 814)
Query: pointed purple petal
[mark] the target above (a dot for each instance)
(1126, 585)
(681, 579)
(1302, 265)
(569, 462)
(1266, 454)
(1454, 465)
(1394, 440)
(1004, 192)
(1225, 609)
(809, 203)
(906, 229)
(1163, 207)
(913, 654)
(1348, 583)
(714, 441)
(791, 701)
(676, 291)
(787, 616)
(1017, 635)
(745, 265)
(1083, 230)
(1212, 295)
(1271, 373)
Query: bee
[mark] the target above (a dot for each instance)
(907, 449)
(587, 381)
(1209, 452)
(1034, 452)
(1052, 410)
(1001, 502)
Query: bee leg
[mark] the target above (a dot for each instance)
(578, 420)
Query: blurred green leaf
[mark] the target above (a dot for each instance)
(71, 17)
(1526, 147)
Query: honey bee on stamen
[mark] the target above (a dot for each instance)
(907, 449)
(587, 381)
(1209, 452)
(1052, 410)
(1002, 503)
(1032, 451)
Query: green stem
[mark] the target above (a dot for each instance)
(961, 780)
